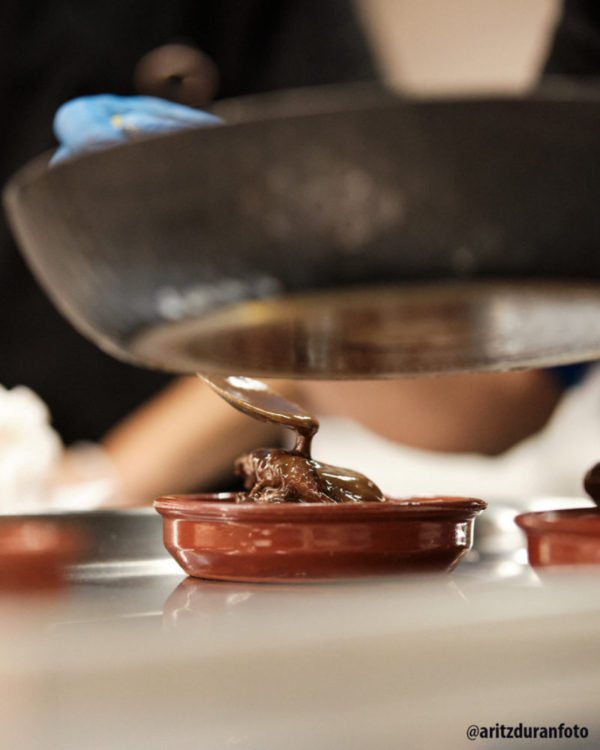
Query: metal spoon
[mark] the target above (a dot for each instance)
(256, 400)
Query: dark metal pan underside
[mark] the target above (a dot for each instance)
(334, 233)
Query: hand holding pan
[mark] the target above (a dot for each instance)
(91, 123)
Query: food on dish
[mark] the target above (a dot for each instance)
(279, 476)
(273, 475)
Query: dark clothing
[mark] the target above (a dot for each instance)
(575, 50)
(54, 51)
(575, 54)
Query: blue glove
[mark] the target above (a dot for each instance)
(91, 123)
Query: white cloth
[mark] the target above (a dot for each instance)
(550, 463)
(29, 450)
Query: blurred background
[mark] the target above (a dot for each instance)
(434, 47)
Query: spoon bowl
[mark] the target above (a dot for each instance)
(254, 398)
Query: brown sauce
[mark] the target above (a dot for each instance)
(274, 475)
(279, 476)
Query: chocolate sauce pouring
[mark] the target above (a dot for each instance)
(276, 475)
(255, 399)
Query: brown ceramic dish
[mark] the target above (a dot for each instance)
(33, 555)
(562, 537)
(212, 536)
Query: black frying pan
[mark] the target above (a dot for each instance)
(336, 232)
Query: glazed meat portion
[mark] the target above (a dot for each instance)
(279, 476)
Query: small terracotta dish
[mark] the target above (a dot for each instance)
(562, 537)
(34, 554)
(212, 536)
